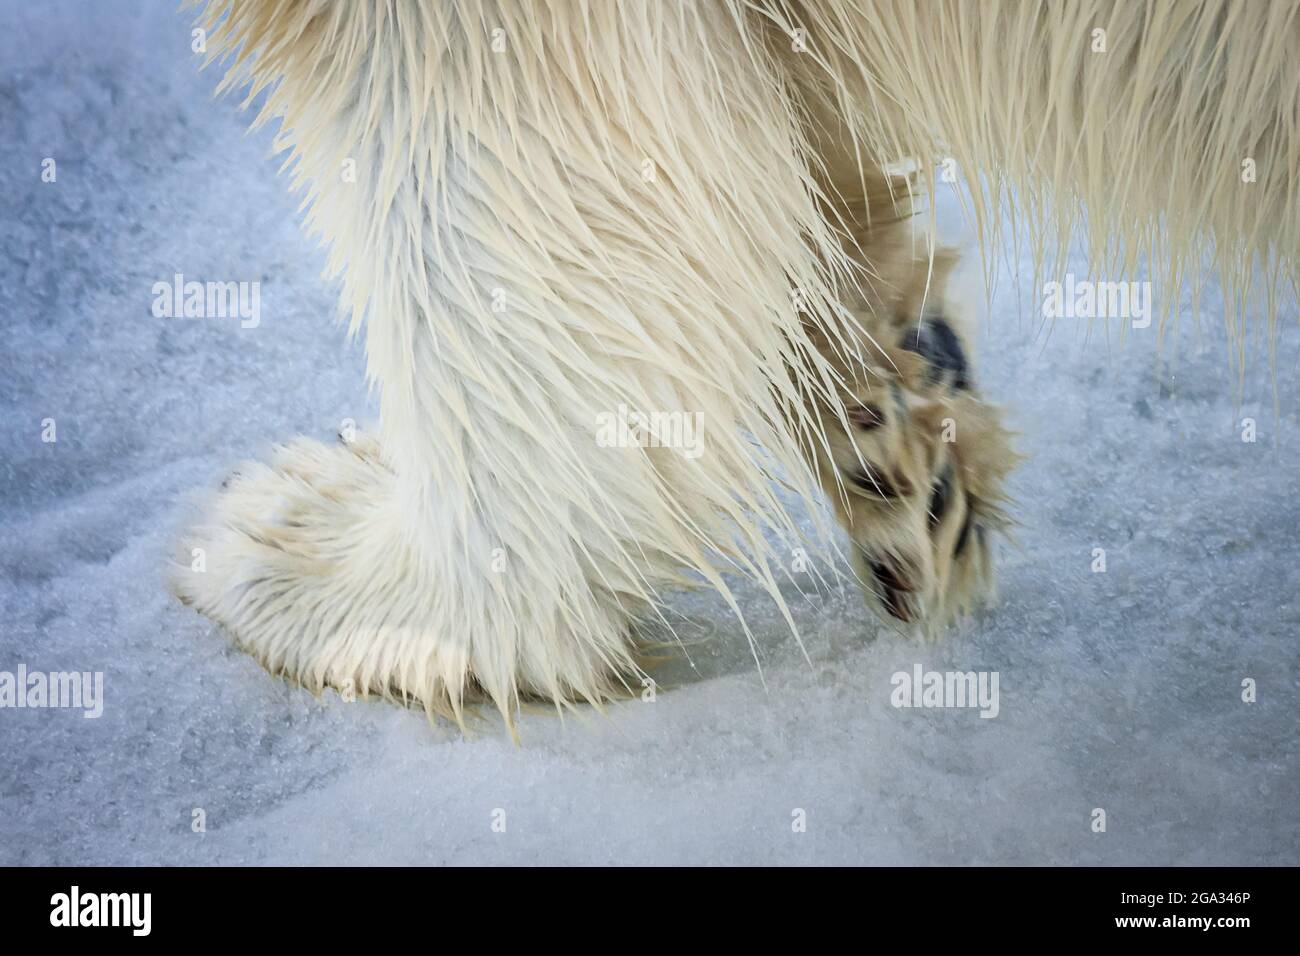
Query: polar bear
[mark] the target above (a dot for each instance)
(561, 208)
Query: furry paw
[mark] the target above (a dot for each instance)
(324, 572)
(281, 553)
(917, 476)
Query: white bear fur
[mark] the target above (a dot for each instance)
(641, 183)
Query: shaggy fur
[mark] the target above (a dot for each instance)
(561, 208)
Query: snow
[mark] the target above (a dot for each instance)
(1119, 690)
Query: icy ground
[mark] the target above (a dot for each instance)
(1119, 691)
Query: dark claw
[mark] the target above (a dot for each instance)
(871, 479)
(889, 578)
(866, 416)
(965, 530)
(939, 497)
(934, 340)
(896, 607)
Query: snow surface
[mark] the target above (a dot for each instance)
(1119, 690)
